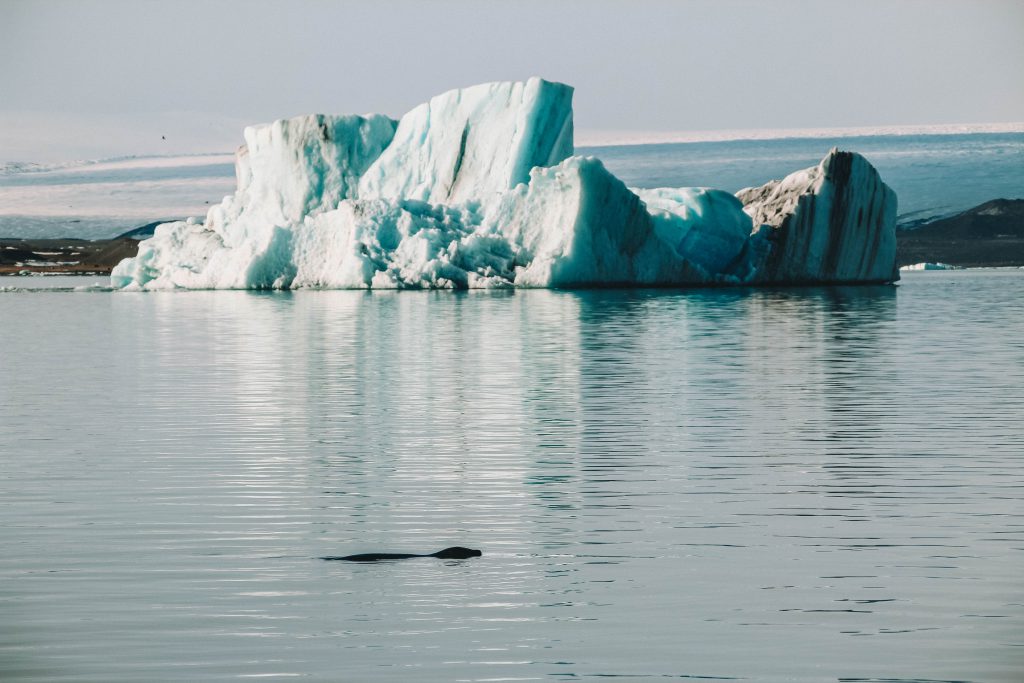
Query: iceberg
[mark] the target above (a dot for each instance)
(480, 188)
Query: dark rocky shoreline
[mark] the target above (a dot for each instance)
(70, 256)
(64, 256)
(989, 235)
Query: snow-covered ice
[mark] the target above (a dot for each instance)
(479, 188)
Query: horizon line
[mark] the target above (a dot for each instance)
(596, 137)
(615, 138)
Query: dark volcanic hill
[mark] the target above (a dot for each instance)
(991, 234)
(70, 256)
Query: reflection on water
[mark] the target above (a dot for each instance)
(797, 484)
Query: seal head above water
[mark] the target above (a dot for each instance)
(453, 553)
(457, 552)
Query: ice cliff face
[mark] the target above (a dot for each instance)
(830, 223)
(468, 144)
(295, 167)
(479, 188)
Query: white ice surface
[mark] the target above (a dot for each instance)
(470, 144)
(929, 266)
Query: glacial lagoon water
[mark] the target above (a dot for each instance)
(819, 484)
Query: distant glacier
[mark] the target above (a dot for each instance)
(479, 188)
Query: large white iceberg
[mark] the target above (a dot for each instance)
(479, 188)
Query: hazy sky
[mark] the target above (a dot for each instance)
(87, 79)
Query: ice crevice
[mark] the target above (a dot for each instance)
(480, 188)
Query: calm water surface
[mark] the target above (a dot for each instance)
(780, 485)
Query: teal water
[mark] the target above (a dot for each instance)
(780, 485)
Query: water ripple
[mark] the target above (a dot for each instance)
(811, 484)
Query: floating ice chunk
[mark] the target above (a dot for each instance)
(930, 266)
(477, 188)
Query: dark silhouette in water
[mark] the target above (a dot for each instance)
(453, 553)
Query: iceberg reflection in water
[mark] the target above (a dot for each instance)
(798, 484)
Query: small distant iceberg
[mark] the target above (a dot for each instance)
(929, 266)
(479, 188)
